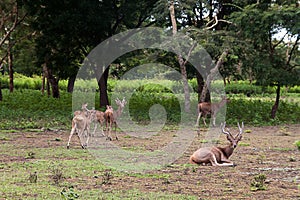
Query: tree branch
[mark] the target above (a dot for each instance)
(292, 50)
(189, 53)
(216, 22)
(16, 22)
(275, 45)
(212, 73)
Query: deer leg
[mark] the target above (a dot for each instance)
(88, 136)
(80, 137)
(116, 130)
(197, 123)
(225, 162)
(101, 125)
(214, 119)
(108, 129)
(71, 134)
(204, 118)
(95, 127)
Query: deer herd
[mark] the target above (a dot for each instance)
(215, 156)
(82, 120)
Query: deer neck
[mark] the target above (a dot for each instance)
(119, 112)
(228, 150)
(221, 103)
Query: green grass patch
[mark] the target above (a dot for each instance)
(297, 143)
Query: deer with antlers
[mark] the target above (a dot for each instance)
(218, 156)
(111, 116)
(81, 123)
(206, 108)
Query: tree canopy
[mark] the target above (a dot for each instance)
(262, 37)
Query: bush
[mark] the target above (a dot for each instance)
(297, 143)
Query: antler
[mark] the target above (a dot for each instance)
(241, 128)
(223, 129)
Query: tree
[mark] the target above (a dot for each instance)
(271, 34)
(68, 30)
(11, 18)
(181, 61)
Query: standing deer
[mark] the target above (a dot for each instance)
(99, 118)
(81, 123)
(111, 116)
(205, 108)
(218, 156)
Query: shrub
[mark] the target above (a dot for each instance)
(297, 143)
(258, 183)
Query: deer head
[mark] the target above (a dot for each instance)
(108, 107)
(122, 103)
(233, 140)
(84, 106)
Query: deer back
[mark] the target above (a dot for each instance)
(204, 107)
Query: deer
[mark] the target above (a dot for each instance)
(100, 119)
(111, 116)
(81, 123)
(205, 108)
(218, 156)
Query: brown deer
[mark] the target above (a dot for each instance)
(109, 118)
(112, 119)
(218, 156)
(81, 123)
(99, 117)
(205, 108)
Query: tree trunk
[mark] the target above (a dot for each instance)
(173, 18)
(48, 87)
(102, 83)
(1, 96)
(181, 62)
(53, 82)
(211, 75)
(10, 70)
(44, 79)
(200, 83)
(187, 103)
(71, 83)
(275, 106)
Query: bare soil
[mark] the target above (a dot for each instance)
(268, 151)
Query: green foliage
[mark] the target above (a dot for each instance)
(30, 109)
(297, 143)
(257, 112)
(69, 193)
(141, 102)
(258, 183)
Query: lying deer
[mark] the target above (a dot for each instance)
(205, 108)
(218, 156)
(80, 123)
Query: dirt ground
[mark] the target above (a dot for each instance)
(267, 152)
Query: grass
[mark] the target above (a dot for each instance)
(27, 108)
(67, 174)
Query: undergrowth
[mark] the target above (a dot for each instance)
(27, 108)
